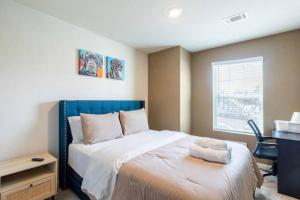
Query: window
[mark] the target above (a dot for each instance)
(238, 94)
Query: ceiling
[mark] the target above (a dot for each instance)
(145, 25)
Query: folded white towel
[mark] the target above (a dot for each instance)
(212, 143)
(208, 154)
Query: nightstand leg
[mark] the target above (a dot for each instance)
(53, 197)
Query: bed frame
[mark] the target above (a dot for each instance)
(68, 178)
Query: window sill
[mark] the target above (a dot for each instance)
(233, 132)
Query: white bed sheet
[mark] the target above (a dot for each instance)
(80, 153)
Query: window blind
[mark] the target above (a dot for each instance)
(238, 94)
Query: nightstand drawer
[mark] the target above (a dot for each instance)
(42, 189)
(19, 193)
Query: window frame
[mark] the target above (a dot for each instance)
(235, 61)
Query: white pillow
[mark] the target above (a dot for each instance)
(76, 128)
(134, 121)
(98, 128)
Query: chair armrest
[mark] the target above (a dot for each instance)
(268, 138)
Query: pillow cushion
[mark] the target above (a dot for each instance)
(76, 128)
(98, 128)
(134, 121)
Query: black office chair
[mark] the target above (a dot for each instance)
(265, 150)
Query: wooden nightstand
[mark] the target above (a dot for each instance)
(23, 179)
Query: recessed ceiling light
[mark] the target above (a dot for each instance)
(175, 12)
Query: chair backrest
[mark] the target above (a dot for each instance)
(256, 130)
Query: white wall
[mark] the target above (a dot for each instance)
(39, 66)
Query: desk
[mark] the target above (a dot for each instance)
(288, 163)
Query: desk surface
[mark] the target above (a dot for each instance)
(286, 135)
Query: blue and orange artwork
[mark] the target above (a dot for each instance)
(115, 68)
(90, 64)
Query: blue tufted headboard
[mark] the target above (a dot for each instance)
(74, 108)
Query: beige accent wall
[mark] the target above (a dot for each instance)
(163, 88)
(169, 86)
(185, 91)
(281, 55)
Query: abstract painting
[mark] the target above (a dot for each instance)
(90, 64)
(115, 68)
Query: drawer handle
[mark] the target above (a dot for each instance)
(30, 185)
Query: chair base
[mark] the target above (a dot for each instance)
(272, 171)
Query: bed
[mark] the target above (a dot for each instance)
(164, 172)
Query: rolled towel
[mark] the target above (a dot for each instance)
(212, 143)
(208, 154)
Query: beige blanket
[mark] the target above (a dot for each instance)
(171, 173)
